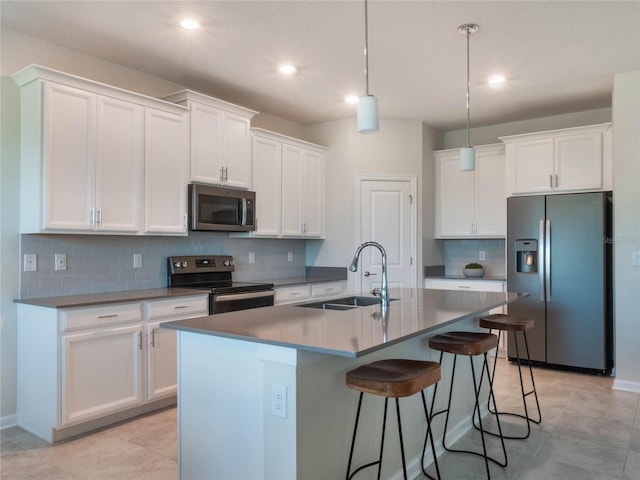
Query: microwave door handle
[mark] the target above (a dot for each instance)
(244, 212)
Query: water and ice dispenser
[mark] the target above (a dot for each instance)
(526, 256)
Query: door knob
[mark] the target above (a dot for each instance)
(366, 274)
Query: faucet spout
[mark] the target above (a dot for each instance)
(384, 290)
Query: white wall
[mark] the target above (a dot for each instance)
(626, 204)
(396, 150)
(489, 134)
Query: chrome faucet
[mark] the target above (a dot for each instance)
(384, 290)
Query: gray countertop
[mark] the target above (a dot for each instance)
(89, 299)
(351, 333)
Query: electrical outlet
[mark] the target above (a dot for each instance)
(137, 260)
(290, 257)
(60, 261)
(482, 255)
(279, 401)
(30, 262)
(635, 259)
(252, 257)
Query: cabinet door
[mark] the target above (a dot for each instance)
(292, 187)
(161, 362)
(530, 164)
(267, 183)
(69, 157)
(313, 195)
(490, 206)
(237, 151)
(454, 197)
(165, 172)
(206, 143)
(101, 373)
(119, 165)
(579, 162)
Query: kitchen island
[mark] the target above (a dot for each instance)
(261, 392)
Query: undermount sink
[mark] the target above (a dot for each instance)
(345, 303)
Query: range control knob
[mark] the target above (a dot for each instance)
(177, 264)
(184, 264)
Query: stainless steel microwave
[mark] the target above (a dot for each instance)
(221, 209)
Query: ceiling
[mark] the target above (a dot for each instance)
(558, 56)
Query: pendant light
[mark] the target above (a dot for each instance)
(468, 153)
(368, 104)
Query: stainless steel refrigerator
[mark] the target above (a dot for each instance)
(559, 252)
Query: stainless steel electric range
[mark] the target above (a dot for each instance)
(213, 273)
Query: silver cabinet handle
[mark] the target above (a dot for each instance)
(113, 315)
(153, 337)
(99, 221)
(556, 180)
(464, 286)
(367, 274)
(550, 181)
(92, 216)
(181, 306)
(139, 340)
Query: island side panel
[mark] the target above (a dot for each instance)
(220, 408)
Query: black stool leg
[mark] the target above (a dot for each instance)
(429, 436)
(404, 465)
(526, 415)
(353, 442)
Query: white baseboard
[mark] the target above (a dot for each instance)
(626, 386)
(8, 421)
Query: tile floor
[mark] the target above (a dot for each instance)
(588, 432)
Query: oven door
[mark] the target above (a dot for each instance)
(230, 302)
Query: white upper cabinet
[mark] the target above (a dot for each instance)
(289, 183)
(83, 153)
(220, 140)
(165, 173)
(267, 182)
(558, 161)
(471, 203)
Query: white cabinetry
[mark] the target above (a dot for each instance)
(83, 151)
(165, 173)
(471, 203)
(220, 140)
(306, 291)
(86, 367)
(290, 187)
(567, 160)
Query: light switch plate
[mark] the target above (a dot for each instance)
(137, 260)
(635, 259)
(30, 262)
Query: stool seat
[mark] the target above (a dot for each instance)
(394, 377)
(464, 343)
(509, 323)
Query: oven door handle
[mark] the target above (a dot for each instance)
(229, 297)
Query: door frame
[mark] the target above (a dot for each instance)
(413, 181)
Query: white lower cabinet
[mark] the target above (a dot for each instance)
(101, 372)
(86, 367)
(473, 286)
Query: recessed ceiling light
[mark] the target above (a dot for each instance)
(496, 80)
(189, 24)
(351, 99)
(287, 69)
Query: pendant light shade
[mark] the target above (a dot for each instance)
(468, 154)
(368, 114)
(368, 104)
(467, 158)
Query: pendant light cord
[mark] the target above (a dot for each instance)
(366, 49)
(468, 85)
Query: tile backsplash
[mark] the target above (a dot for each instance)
(457, 253)
(97, 263)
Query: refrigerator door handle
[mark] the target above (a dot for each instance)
(547, 260)
(543, 250)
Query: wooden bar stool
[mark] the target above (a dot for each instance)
(470, 344)
(393, 378)
(508, 323)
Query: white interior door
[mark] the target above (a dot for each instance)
(388, 216)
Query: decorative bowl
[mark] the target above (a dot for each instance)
(473, 272)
